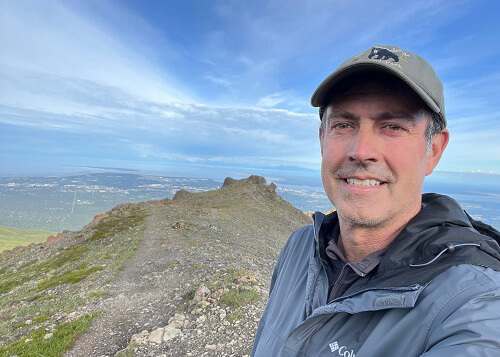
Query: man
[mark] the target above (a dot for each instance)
(392, 272)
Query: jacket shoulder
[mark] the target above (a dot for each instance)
(467, 298)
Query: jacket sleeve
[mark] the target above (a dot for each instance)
(471, 330)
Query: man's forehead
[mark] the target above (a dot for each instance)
(382, 114)
(395, 91)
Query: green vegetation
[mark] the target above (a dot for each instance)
(13, 237)
(110, 226)
(235, 316)
(68, 270)
(45, 298)
(234, 275)
(70, 277)
(227, 277)
(237, 297)
(41, 318)
(98, 293)
(128, 352)
(63, 337)
(9, 281)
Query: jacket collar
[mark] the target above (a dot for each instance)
(440, 224)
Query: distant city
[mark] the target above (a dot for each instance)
(70, 202)
(57, 203)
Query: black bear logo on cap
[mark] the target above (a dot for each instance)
(383, 54)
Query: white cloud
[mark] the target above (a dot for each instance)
(271, 100)
(52, 40)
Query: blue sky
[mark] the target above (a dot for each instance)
(217, 88)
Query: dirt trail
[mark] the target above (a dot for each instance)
(140, 297)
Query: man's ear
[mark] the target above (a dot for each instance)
(439, 142)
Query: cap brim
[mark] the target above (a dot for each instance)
(322, 94)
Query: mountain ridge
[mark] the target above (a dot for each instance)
(185, 276)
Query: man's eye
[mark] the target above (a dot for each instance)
(341, 126)
(394, 127)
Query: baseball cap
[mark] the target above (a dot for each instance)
(415, 71)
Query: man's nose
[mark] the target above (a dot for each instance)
(365, 147)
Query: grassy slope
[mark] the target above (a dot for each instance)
(13, 237)
(47, 284)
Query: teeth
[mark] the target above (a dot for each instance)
(356, 182)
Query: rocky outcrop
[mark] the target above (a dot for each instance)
(182, 195)
(52, 239)
(96, 220)
(254, 179)
(250, 181)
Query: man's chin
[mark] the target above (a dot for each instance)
(363, 220)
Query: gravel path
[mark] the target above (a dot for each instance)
(141, 296)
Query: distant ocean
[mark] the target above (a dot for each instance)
(477, 193)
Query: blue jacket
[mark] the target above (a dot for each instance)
(436, 292)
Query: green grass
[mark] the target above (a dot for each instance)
(13, 237)
(110, 226)
(41, 318)
(70, 277)
(98, 293)
(64, 336)
(9, 281)
(128, 352)
(237, 297)
(235, 316)
(45, 298)
(72, 268)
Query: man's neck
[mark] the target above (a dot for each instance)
(357, 243)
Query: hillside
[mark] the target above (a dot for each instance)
(12, 237)
(187, 276)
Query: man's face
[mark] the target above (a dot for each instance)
(374, 156)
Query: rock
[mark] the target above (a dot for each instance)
(219, 292)
(170, 332)
(258, 180)
(28, 322)
(96, 219)
(247, 279)
(50, 239)
(210, 347)
(48, 336)
(140, 338)
(201, 319)
(228, 181)
(178, 225)
(254, 179)
(28, 340)
(202, 293)
(181, 195)
(271, 188)
(156, 336)
(177, 321)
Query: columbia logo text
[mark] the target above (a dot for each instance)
(341, 350)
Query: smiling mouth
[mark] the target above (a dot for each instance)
(363, 183)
